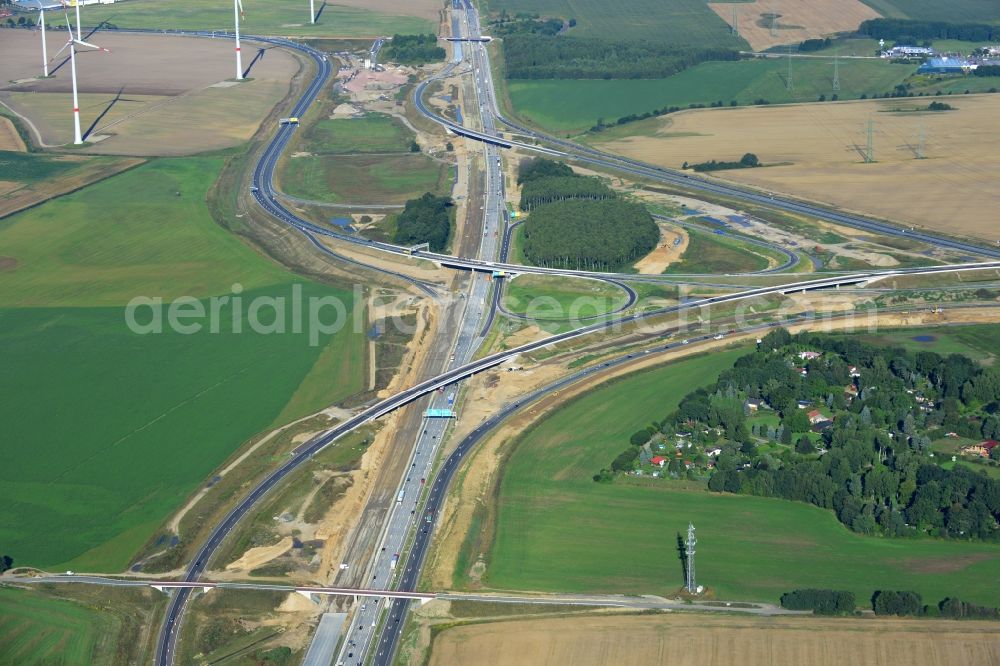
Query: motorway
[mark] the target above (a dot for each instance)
(264, 193)
(469, 330)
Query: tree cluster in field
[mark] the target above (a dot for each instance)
(526, 24)
(425, 220)
(939, 106)
(879, 409)
(535, 56)
(748, 161)
(987, 70)
(414, 49)
(910, 32)
(820, 602)
(6, 562)
(814, 45)
(902, 603)
(577, 222)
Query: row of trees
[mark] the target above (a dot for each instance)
(559, 188)
(589, 235)
(414, 49)
(905, 30)
(535, 56)
(987, 70)
(820, 602)
(883, 602)
(425, 220)
(814, 44)
(748, 161)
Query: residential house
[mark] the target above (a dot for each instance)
(982, 449)
(815, 416)
(659, 461)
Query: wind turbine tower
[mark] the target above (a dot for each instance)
(237, 12)
(45, 48)
(71, 45)
(312, 11)
(79, 35)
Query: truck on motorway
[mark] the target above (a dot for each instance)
(395, 561)
(399, 497)
(289, 121)
(451, 399)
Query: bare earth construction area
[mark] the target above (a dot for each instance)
(818, 152)
(680, 639)
(151, 95)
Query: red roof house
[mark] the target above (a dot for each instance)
(658, 460)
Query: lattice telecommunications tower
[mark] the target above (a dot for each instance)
(692, 586)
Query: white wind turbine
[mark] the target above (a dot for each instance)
(41, 24)
(71, 45)
(312, 11)
(237, 12)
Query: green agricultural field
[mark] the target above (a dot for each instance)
(374, 133)
(678, 21)
(561, 298)
(572, 106)
(979, 341)
(281, 17)
(558, 530)
(32, 167)
(364, 179)
(161, 241)
(109, 431)
(42, 630)
(955, 11)
(710, 253)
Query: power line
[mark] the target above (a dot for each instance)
(836, 72)
(869, 151)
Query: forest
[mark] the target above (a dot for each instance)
(850, 430)
(537, 56)
(904, 30)
(425, 220)
(578, 222)
(414, 49)
(589, 235)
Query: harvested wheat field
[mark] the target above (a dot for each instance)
(9, 138)
(793, 20)
(151, 95)
(681, 639)
(818, 150)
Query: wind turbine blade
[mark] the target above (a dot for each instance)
(240, 3)
(93, 46)
(60, 50)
